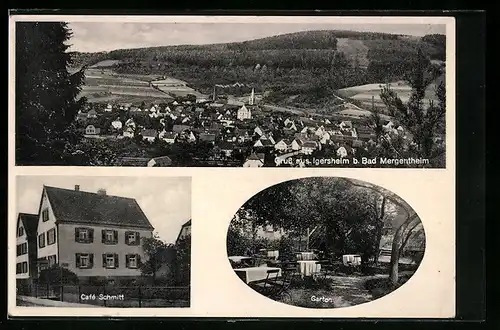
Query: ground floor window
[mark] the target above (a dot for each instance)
(133, 260)
(110, 260)
(84, 260)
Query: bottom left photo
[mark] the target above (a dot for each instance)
(84, 241)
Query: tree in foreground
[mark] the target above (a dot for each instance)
(158, 254)
(46, 94)
(421, 120)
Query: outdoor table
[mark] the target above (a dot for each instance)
(308, 267)
(253, 274)
(238, 259)
(305, 255)
(351, 259)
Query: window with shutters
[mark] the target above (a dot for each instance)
(84, 235)
(52, 260)
(41, 240)
(133, 260)
(109, 236)
(110, 260)
(19, 268)
(84, 260)
(132, 238)
(25, 267)
(45, 215)
(51, 236)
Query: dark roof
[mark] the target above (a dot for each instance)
(187, 224)
(256, 156)
(30, 223)
(82, 207)
(162, 161)
(132, 161)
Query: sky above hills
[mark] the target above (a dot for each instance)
(106, 36)
(166, 201)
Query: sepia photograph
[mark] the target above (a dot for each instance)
(103, 241)
(325, 242)
(230, 94)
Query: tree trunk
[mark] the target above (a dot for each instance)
(397, 243)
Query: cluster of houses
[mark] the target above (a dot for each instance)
(92, 234)
(246, 127)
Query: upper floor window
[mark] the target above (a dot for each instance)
(51, 236)
(45, 215)
(41, 240)
(109, 236)
(84, 235)
(84, 260)
(20, 231)
(22, 249)
(132, 238)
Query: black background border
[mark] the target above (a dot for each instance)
(470, 185)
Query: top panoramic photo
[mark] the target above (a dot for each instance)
(229, 94)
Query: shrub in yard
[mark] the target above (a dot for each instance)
(57, 275)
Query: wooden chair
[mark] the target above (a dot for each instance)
(274, 287)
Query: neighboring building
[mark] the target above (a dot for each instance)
(93, 234)
(254, 160)
(129, 132)
(92, 114)
(92, 130)
(160, 162)
(149, 134)
(282, 145)
(168, 137)
(244, 113)
(185, 231)
(26, 248)
(117, 124)
(309, 147)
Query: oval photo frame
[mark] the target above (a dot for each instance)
(325, 242)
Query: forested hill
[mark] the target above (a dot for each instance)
(310, 63)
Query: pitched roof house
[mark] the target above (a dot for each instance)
(94, 234)
(184, 232)
(255, 160)
(26, 247)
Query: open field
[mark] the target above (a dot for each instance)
(175, 87)
(105, 63)
(365, 93)
(354, 49)
(104, 86)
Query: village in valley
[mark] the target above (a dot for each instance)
(238, 132)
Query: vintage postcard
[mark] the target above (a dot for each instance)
(311, 158)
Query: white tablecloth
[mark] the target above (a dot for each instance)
(351, 259)
(239, 258)
(305, 256)
(308, 267)
(273, 254)
(252, 274)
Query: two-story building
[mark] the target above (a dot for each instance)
(26, 248)
(91, 234)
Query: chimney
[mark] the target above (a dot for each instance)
(77, 187)
(101, 192)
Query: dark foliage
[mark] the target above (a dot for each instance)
(46, 94)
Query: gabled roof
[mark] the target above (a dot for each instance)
(81, 207)
(149, 132)
(30, 223)
(256, 156)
